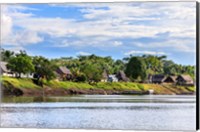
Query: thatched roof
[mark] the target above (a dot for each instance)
(170, 79)
(3, 66)
(186, 78)
(105, 75)
(158, 78)
(63, 70)
(122, 76)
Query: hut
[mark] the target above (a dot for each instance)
(104, 76)
(158, 78)
(64, 73)
(170, 79)
(184, 80)
(121, 76)
(4, 70)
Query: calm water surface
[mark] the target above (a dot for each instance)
(148, 112)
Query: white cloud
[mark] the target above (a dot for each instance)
(10, 36)
(144, 52)
(117, 43)
(104, 25)
(177, 45)
(6, 29)
(83, 53)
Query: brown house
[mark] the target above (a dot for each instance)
(104, 76)
(64, 73)
(184, 80)
(122, 76)
(158, 78)
(170, 79)
(4, 70)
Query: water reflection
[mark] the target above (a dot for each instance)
(101, 112)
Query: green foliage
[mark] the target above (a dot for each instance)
(90, 68)
(19, 82)
(93, 72)
(136, 68)
(6, 55)
(154, 63)
(81, 78)
(43, 67)
(21, 63)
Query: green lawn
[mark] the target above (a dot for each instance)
(19, 82)
(25, 83)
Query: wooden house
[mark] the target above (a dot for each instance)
(184, 80)
(170, 79)
(64, 73)
(4, 70)
(104, 76)
(158, 78)
(122, 76)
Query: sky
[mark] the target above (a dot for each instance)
(105, 29)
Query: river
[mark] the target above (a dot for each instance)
(146, 112)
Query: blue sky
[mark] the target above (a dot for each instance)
(105, 29)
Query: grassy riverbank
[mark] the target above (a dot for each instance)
(64, 87)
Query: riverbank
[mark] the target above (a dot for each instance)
(26, 87)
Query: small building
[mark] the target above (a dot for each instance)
(64, 73)
(4, 70)
(158, 78)
(184, 80)
(121, 76)
(112, 78)
(104, 76)
(170, 79)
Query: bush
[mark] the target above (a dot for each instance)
(81, 78)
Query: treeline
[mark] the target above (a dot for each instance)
(91, 68)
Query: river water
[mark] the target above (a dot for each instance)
(147, 112)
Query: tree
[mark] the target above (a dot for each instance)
(6, 55)
(136, 69)
(154, 63)
(43, 68)
(20, 64)
(93, 72)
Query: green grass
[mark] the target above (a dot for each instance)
(19, 82)
(192, 88)
(67, 85)
(25, 83)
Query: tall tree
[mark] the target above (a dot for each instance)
(43, 67)
(136, 69)
(20, 64)
(6, 55)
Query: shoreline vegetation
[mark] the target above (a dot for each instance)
(25, 87)
(24, 75)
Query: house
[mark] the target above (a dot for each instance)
(104, 76)
(158, 78)
(4, 70)
(184, 80)
(170, 79)
(112, 78)
(121, 76)
(64, 73)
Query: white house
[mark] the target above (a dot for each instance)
(6, 72)
(112, 78)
